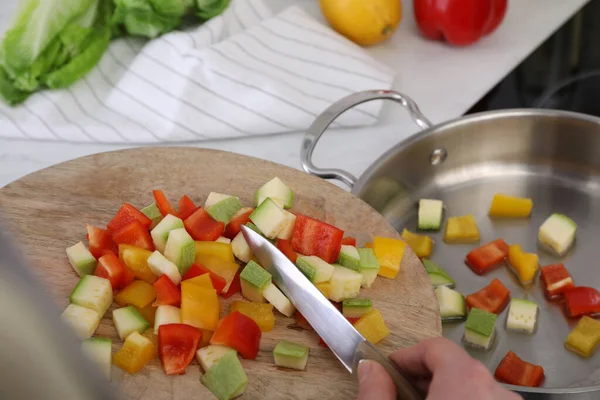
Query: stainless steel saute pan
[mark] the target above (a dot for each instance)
(550, 156)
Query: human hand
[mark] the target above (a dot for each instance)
(439, 368)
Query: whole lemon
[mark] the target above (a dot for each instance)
(365, 22)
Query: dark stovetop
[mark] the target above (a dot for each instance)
(563, 73)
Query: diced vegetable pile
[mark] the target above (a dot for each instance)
(481, 309)
(169, 268)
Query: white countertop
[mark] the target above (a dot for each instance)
(444, 81)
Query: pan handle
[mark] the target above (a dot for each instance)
(318, 127)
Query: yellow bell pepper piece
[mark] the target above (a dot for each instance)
(525, 265)
(224, 269)
(147, 312)
(136, 352)
(510, 206)
(199, 306)
(584, 337)
(389, 253)
(136, 259)
(138, 293)
(201, 280)
(206, 335)
(461, 230)
(149, 334)
(325, 288)
(261, 313)
(422, 245)
(372, 326)
(221, 250)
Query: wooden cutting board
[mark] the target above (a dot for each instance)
(48, 210)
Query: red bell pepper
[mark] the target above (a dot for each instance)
(196, 270)
(111, 268)
(555, 280)
(167, 293)
(128, 277)
(312, 237)
(177, 345)
(514, 371)
(302, 322)
(100, 241)
(492, 298)
(286, 248)
(483, 258)
(186, 207)
(134, 234)
(126, 214)
(240, 332)
(349, 241)
(582, 300)
(235, 287)
(202, 227)
(235, 224)
(459, 22)
(163, 204)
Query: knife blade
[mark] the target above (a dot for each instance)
(348, 345)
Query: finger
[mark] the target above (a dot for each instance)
(374, 382)
(421, 360)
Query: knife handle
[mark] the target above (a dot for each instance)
(404, 388)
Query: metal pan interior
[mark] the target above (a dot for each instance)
(553, 158)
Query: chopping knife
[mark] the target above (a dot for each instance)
(41, 357)
(348, 345)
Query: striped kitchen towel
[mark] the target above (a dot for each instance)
(243, 73)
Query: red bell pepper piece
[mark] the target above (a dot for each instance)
(235, 224)
(186, 207)
(100, 241)
(349, 241)
(514, 371)
(111, 268)
(126, 214)
(459, 22)
(177, 345)
(492, 298)
(286, 248)
(235, 287)
(483, 258)
(555, 280)
(167, 293)
(240, 332)
(202, 227)
(582, 300)
(196, 270)
(128, 277)
(134, 234)
(312, 237)
(163, 204)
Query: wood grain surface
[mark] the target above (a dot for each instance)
(48, 210)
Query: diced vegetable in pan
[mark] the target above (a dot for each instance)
(452, 304)
(422, 245)
(557, 234)
(584, 338)
(510, 206)
(430, 214)
(582, 300)
(524, 265)
(437, 275)
(480, 329)
(484, 258)
(556, 279)
(492, 298)
(514, 371)
(522, 315)
(461, 230)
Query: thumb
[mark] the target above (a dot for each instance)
(374, 382)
